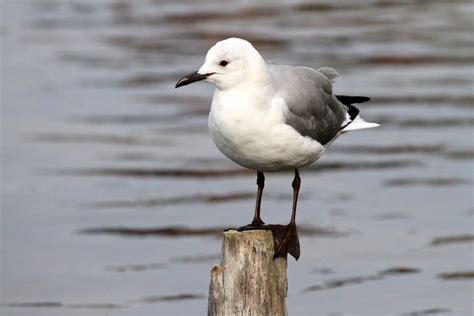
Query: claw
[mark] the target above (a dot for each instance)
(285, 240)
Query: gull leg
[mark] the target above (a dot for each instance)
(286, 237)
(257, 222)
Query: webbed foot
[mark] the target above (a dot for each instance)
(254, 225)
(285, 240)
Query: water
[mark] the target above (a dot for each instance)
(113, 194)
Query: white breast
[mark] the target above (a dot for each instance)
(253, 134)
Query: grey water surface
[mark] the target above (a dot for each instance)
(114, 197)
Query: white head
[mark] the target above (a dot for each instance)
(228, 63)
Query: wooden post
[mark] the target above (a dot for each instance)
(249, 281)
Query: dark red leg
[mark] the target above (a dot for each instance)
(286, 237)
(257, 222)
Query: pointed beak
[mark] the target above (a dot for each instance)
(190, 78)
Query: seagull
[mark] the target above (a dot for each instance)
(269, 117)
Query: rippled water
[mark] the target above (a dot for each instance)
(113, 195)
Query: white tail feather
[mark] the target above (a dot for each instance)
(359, 123)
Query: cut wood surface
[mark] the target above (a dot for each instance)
(249, 281)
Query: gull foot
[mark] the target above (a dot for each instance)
(254, 225)
(286, 240)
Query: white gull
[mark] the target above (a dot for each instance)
(270, 117)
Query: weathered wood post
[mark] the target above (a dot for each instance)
(249, 281)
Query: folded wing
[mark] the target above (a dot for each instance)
(312, 108)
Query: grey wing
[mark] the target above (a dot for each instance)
(312, 108)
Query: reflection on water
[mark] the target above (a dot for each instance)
(181, 231)
(98, 148)
(335, 283)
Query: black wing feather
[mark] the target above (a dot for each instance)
(350, 99)
(347, 100)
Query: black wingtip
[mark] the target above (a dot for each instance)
(351, 99)
(353, 112)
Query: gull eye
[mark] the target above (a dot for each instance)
(223, 63)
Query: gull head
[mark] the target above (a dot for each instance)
(228, 64)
